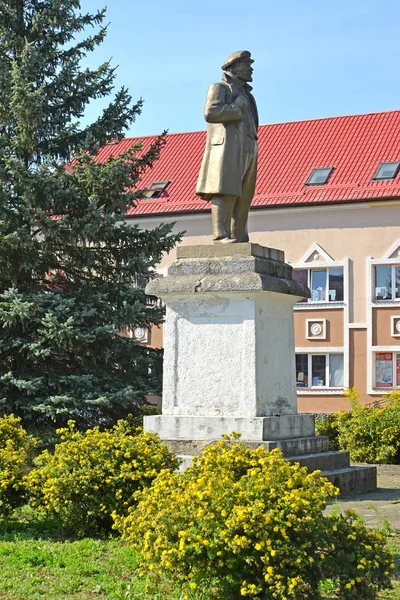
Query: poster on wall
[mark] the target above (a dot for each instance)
(384, 369)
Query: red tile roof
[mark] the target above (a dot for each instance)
(288, 152)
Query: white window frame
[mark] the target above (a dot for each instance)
(327, 263)
(384, 263)
(322, 389)
(322, 267)
(391, 257)
(392, 351)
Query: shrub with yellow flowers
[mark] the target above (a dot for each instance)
(372, 434)
(243, 522)
(92, 474)
(369, 433)
(16, 453)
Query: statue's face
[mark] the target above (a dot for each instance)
(244, 70)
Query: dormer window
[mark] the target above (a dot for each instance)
(156, 189)
(319, 176)
(386, 171)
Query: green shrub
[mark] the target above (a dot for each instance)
(246, 523)
(371, 434)
(16, 452)
(357, 559)
(92, 474)
(329, 426)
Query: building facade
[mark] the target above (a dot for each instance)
(328, 195)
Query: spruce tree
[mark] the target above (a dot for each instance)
(68, 260)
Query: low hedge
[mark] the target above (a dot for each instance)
(369, 434)
(92, 474)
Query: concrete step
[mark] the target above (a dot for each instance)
(299, 446)
(289, 447)
(353, 480)
(349, 479)
(322, 461)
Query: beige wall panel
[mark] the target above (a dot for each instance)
(322, 404)
(156, 337)
(358, 362)
(334, 327)
(381, 326)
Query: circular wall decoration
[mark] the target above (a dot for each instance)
(139, 333)
(398, 325)
(316, 329)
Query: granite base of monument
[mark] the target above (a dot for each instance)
(229, 359)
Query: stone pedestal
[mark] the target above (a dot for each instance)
(229, 360)
(229, 345)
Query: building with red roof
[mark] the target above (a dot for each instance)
(328, 195)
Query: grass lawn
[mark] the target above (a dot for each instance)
(36, 562)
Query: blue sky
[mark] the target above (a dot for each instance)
(312, 58)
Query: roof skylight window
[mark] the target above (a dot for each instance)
(319, 176)
(156, 189)
(387, 170)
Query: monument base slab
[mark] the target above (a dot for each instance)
(255, 429)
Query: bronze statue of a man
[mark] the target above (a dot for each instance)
(229, 169)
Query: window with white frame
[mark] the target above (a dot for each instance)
(319, 370)
(387, 369)
(387, 282)
(326, 285)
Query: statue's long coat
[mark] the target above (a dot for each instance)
(222, 167)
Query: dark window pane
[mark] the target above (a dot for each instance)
(336, 370)
(302, 370)
(319, 176)
(387, 170)
(318, 285)
(156, 189)
(336, 284)
(302, 276)
(318, 369)
(397, 275)
(383, 282)
(140, 282)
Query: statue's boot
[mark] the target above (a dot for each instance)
(221, 214)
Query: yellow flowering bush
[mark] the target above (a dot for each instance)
(16, 452)
(240, 522)
(92, 474)
(373, 433)
(370, 433)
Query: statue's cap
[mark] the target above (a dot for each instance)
(236, 57)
